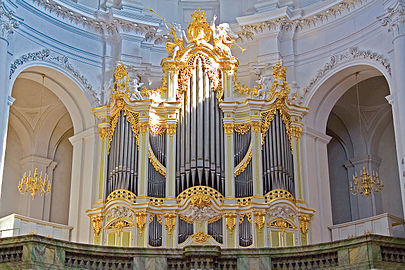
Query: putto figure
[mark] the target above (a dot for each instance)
(223, 38)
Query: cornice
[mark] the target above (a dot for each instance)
(284, 22)
(101, 22)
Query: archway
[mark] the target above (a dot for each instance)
(47, 112)
(319, 135)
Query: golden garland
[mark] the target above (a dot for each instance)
(241, 167)
(156, 163)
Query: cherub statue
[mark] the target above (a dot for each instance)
(111, 4)
(179, 37)
(223, 37)
(135, 87)
(178, 34)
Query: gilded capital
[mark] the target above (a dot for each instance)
(171, 128)
(256, 126)
(143, 127)
(228, 128)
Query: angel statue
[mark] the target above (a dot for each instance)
(223, 38)
(135, 87)
(178, 34)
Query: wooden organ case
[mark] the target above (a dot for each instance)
(202, 159)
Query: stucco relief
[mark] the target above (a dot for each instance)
(60, 60)
(335, 60)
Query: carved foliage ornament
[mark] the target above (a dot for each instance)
(60, 60)
(97, 222)
(230, 221)
(260, 217)
(304, 223)
(170, 222)
(141, 219)
(351, 54)
(286, 24)
(7, 22)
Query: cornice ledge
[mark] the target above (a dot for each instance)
(281, 20)
(336, 60)
(105, 23)
(60, 60)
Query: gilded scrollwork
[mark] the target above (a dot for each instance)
(242, 128)
(200, 237)
(141, 219)
(228, 128)
(230, 221)
(97, 222)
(241, 167)
(156, 163)
(260, 219)
(304, 223)
(170, 222)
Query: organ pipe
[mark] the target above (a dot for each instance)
(122, 167)
(215, 229)
(245, 233)
(155, 232)
(200, 136)
(157, 181)
(277, 158)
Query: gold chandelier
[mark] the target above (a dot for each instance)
(34, 184)
(366, 183)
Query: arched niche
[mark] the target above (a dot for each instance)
(45, 114)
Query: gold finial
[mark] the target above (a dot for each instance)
(120, 73)
(279, 71)
(199, 30)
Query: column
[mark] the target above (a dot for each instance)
(7, 26)
(83, 191)
(315, 179)
(394, 18)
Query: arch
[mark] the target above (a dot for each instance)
(67, 88)
(331, 87)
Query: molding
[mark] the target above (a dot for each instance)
(287, 23)
(10, 100)
(394, 17)
(7, 22)
(109, 24)
(81, 136)
(62, 61)
(316, 134)
(351, 54)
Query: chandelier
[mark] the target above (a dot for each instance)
(34, 184)
(366, 183)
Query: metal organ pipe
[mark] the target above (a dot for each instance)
(122, 159)
(200, 135)
(278, 169)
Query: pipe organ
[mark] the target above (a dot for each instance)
(202, 160)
